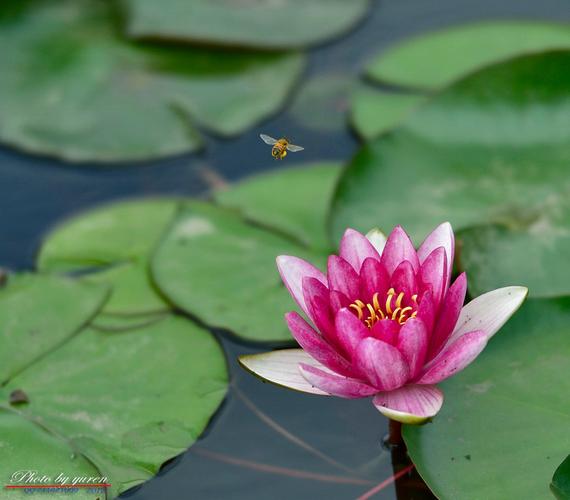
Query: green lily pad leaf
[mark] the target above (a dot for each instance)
(112, 243)
(436, 59)
(261, 23)
(492, 149)
(78, 90)
(119, 323)
(221, 269)
(128, 401)
(560, 485)
(375, 111)
(301, 215)
(322, 102)
(38, 313)
(479, 443)
(27, 447)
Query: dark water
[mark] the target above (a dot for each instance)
(264, 442)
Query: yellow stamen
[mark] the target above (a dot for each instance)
(358, 310)
(375, 301)
(391, 293)
(399, 299)
(396, 311)
(415, 298)
(372, 313)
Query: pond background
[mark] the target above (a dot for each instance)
(242, 455)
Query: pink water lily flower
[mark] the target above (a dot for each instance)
(385, 323)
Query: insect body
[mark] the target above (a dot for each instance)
(280, 147)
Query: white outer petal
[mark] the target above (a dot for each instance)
(282, 368)
(377, 238)
(489, 312)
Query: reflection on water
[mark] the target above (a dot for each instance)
(265, 442)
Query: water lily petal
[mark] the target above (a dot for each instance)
(382, 363)
(411, 404)
(338, 300)
(404, 279)
(315, 344)
(426, 310)
(489, 312)
(386, 330)
(413, 344)
(355, 249)
(377, 238)
(373, 279)
(349, 331)
(448, 315)
(335, 385)
(441, 236)
(317, 299)
(434, 274)
(454, 358)
(292, 271)
(398, 248)
(342, 277)
(282, 368)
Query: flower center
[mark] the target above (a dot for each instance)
(395, 307)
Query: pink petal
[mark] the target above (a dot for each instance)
(382, 363)
(335, 385)
(404, 279)
(343, 277)
(413, 343)
(316, 297)
(377, 238)
(355, 249)
(426, 310)
(316, 345)
(434, 274)
(441, 236)
(398, 248)
(282, 368)
(411, 404)
(489, 312)
(448, 314)
(292, 271)
(373, 279)
(338, 301)
(386, 330)
(454, 357)
(349, 331)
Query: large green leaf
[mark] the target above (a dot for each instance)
(435, 59)
(493, 148)
(292, 200)
(71, 86)
(113, 243)
(560, 485)
(504, 423)
(260, 23)
(218, 264)
(38, 313)
(128, 401)
(27, 447)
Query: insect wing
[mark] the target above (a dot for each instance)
(268, 140)
(293, 148)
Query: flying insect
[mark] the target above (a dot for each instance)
(280, 146)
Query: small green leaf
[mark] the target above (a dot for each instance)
(503, 415)
(40, 312)
(73, 87)
(560, 485)
(438, 58)
(111, 245)
(264, 24)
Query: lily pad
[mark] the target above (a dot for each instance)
(128, 401)
(503, 414)
(27, 447)
(73, 87)
(560, 485)
(492, 149)
(267, 24)
(264, 199)
(111, 244)
(38, 313)
(438, 58)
